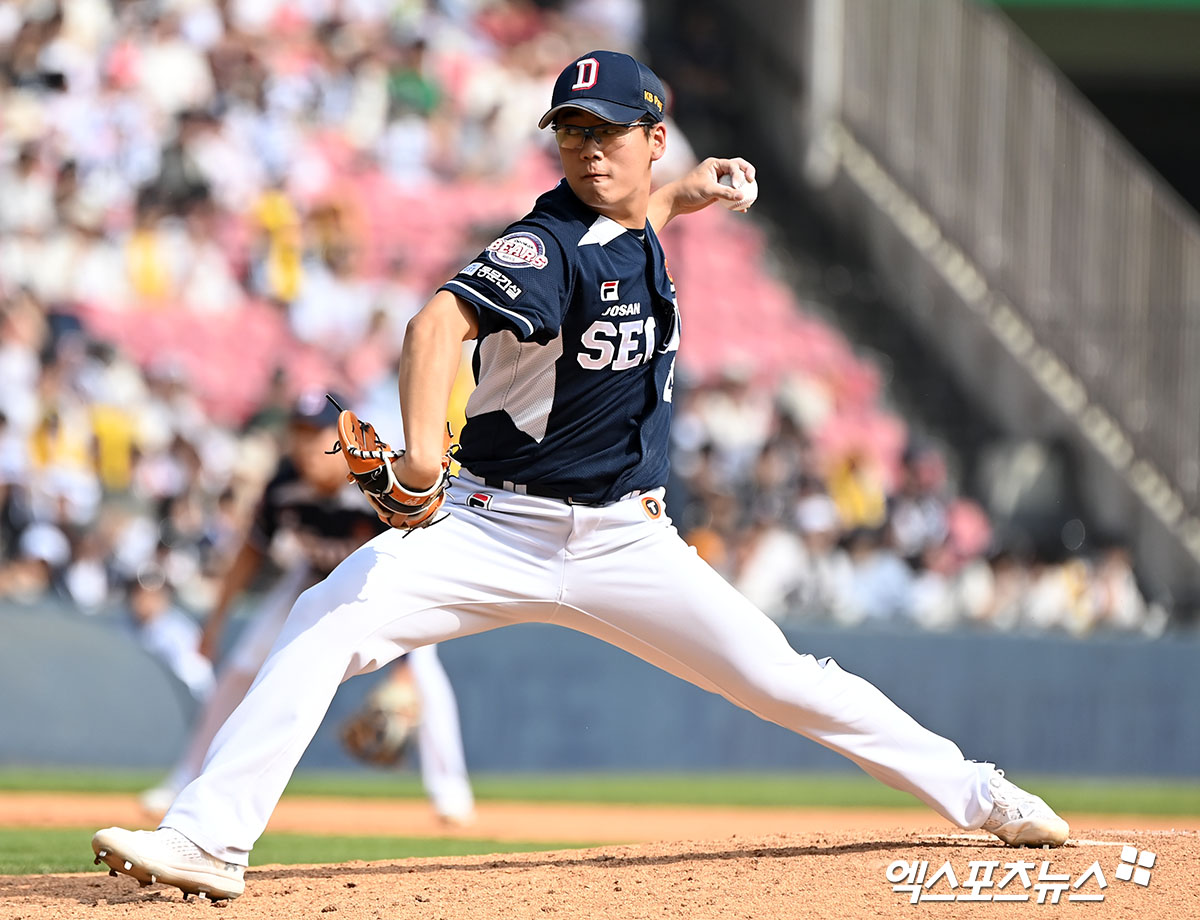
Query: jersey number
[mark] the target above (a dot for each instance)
(618, 346)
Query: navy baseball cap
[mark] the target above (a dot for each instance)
(610, 85)
(314, 409)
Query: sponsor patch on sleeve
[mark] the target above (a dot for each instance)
(497, 278)
(519, 250)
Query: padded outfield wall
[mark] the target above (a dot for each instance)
(78, 691)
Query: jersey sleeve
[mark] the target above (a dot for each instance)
(262, 526)
(520, 282)
(265, 521)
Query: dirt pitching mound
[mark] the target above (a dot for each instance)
(777, 877)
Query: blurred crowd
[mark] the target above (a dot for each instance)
(177, 159)
(841, 539)
(185, 158)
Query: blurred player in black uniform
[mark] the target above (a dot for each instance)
(308, 520)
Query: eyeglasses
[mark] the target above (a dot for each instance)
(572, 137)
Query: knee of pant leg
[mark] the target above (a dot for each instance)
(373, 654)
(795, 681)
(323, 599)
(311, 605)
(324, 619)
(346, 583)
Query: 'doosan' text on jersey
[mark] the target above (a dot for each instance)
(578, 331)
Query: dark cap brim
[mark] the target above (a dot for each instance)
(324, 420)
(610, 111)
(313, 410)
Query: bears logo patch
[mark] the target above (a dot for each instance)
(519, 250)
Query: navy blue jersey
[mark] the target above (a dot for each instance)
(325, 527)
(578, 330)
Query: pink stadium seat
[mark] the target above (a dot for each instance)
(732, 307)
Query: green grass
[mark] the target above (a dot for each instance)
(29, 852)
(836, 790)
(736, 789)
(75, 779)
(1130, 797)
(25, 851)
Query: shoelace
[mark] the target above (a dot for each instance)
(1010, 798)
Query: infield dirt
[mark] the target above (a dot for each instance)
(672, 863)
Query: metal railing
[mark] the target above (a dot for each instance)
(1062, 219)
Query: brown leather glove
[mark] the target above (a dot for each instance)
(370, 463)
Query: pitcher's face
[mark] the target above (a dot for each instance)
(609, 170)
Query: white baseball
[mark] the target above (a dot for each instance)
(749, 189)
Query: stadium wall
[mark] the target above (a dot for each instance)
(80, 692)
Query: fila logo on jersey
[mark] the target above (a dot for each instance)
(587, 72)
(519, 250)
(608, 290)
(653, 507)
(479, 500)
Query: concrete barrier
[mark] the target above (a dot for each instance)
(79, 691)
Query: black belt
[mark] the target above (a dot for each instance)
(538, 491)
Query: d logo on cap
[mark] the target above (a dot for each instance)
(587, 72)
(611, 85)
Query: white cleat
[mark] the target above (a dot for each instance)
(1020, 818)
(166, 856)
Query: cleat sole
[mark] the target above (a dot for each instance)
(212, 886)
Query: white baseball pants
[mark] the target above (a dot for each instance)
(439, 737)
(614, 572)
